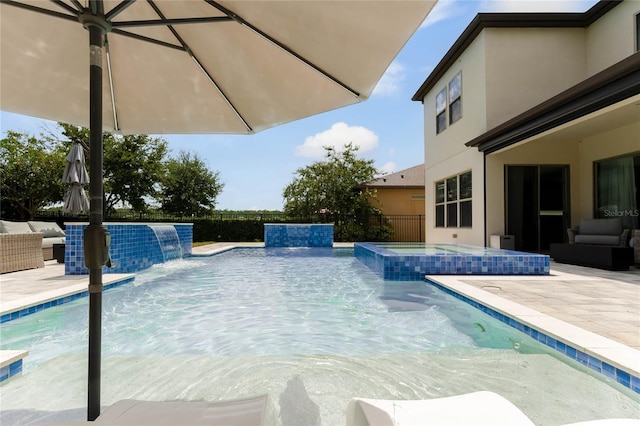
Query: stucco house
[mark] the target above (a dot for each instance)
(400, 193)
(400, 198)
(531, 123)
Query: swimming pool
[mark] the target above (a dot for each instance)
(412, 261)
(299, 324)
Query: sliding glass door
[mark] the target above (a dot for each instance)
(537, 205)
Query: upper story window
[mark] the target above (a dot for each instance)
(455, 99)
(449, 103)
(441, 110)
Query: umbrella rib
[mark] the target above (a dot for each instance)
(172, 21)
(110, 74)
(78, 5)
(40, 10)
(202, 68)
(116, 10)
(147, 39)
(66, 6)
(283, 47)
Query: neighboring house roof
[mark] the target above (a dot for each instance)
(511, 20)
(412, 177)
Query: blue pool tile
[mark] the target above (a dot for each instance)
(10, 370)
(608, 370)
(582, 357)
(414, 267)
(623, 378)
(592, 362)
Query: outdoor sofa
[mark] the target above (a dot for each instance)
(598, 243)
(51, 233)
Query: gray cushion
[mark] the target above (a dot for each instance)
(611, 240)
(601, 227)
(49, 229)
(49, 242)
(9, 227)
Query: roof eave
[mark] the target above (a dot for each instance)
(510, 20)
(612, 85)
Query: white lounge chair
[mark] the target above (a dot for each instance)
(472, 409)
(478, 408)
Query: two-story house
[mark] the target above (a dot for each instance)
(532, 122)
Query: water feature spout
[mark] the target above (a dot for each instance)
(168, 240)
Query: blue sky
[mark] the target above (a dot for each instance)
(388, 127)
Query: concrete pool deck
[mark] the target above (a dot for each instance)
(594, 309)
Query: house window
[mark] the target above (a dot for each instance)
(617, 189)
(441, 110)
(449, 103)
(453, 202)
(455, 98)
(638, 32)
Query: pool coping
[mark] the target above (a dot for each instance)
(614, 360)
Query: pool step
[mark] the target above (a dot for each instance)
(11, 363)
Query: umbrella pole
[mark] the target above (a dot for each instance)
(95, 228)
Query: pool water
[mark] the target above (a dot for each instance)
(298, 324)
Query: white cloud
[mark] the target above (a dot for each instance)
(444, 9)
(388, 167)
(391, 79)
(536, 5)
(337, 136)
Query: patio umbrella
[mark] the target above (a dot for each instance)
(75, 174)
(193, 66)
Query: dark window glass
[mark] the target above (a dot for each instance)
(441, 101)
(455, 111)
(617, 180)
(465, 214)
(441, 122)
(440, 192)
(452, 189)
(465, 185)
(638, 32)
(452, 215)
(455, 87)
(440, 216)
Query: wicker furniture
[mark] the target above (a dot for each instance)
(20, 251)
(613, 258)
(599, 232)
(52, 233)
(597, 243)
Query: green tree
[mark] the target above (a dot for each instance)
(30, 174)
(188, 187)
(133, 166)
(332, 186)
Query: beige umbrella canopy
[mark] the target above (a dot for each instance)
(188, 66)
(201, 66)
